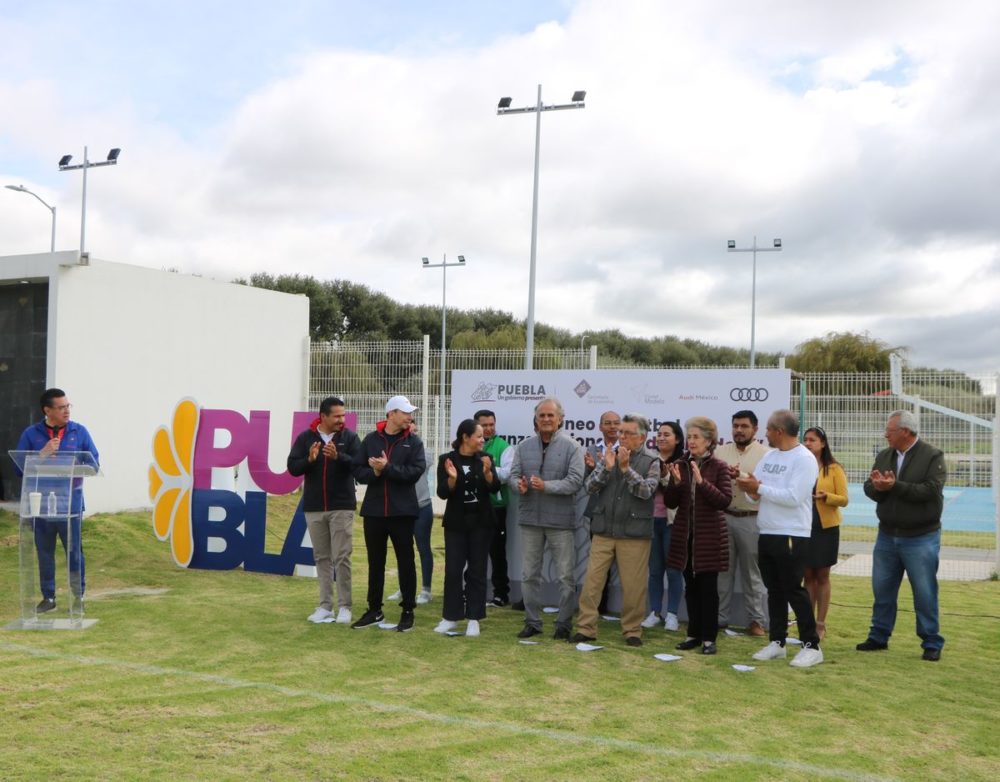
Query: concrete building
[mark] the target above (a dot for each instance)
(127, 343)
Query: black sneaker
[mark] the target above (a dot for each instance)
(871, 645)
(47, 604)
(499, 602)
(368, 618)
(405, 622)
(633, 640)
(561, 634)
(527, 631)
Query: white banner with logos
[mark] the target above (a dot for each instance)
(660, 395)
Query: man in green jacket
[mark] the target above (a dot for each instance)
(502, 455)
(907, 484)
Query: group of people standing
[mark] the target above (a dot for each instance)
(688, 512)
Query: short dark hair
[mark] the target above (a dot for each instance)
(329, 403)
(746, 414)
(49, 396)
(484, 414)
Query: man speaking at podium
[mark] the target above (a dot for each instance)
(57, 433)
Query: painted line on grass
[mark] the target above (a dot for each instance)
(604, 742)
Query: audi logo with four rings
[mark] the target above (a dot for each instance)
(748, 394)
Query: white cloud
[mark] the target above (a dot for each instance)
(863, 135)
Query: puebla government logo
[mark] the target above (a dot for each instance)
(221, 527)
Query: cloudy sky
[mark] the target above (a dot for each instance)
(348, 139)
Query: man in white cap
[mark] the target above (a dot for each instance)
(390, 462)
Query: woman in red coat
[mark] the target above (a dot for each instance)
(699, 488)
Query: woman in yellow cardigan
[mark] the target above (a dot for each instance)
(829, 496)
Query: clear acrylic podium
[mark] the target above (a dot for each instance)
(46, 497)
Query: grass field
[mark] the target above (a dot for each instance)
(193, 675)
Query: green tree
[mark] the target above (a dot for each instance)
(841, 352)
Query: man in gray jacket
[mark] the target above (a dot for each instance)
(546, 472)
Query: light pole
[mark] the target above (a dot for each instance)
(23, 189)
(444, 321)
(503, 107)
(753, 296)
(65, 166)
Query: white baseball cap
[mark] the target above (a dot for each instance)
(399, 403)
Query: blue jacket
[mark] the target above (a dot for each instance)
(77, 438)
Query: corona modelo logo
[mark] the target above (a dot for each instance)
(748, 394)
(219, 528)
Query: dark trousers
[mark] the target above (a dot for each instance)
(465, 552)
(379, 530)
(782, 566)
(701, 594)
(46, 533)
(422, 535)
(498, 555)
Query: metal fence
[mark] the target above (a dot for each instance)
(957, 411)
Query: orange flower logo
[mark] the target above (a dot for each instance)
(171, 482)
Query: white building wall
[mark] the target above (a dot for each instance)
(127, 343)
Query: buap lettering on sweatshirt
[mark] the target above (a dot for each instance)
(775, 469)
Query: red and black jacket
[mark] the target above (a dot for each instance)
(329, 483)
(393, 493)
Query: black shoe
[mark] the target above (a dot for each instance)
(517, 605)
(687, 645)
(368, 618)
(499, 602)
(871, 645)
(709, 648)
(47, 604)
(405, 622)
(580, 638)
(932, 655)
(561, 634)
(527, 631)
(633, 640)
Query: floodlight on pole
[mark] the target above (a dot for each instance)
(439, 439)
(23, 189)
(503, 107)
(731, 247)
(112, 160)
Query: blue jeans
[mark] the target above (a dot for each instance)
(46, 533)
(918, 557)
(422, 535)
(658, 566)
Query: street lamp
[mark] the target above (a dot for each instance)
(753, 297)
(65, 166)
(444, 321)
(503, 107)
(23, 189)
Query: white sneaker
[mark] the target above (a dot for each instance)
(472, 628)
(671, 623)
(807, 657)
(446, 626)
(424, 597)
(395, 596)
(344, 616)
(651, 621)
(321, 615)
(773, 651)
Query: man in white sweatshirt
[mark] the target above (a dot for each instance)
(783, 483)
